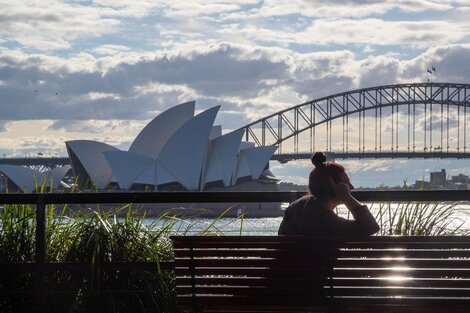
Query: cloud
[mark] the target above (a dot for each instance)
(346, 8)
(96, 126)
(216, 71)
(55, 25)
(3, 126)
(198, 8)
(51, 25)
(33, 88)
(111, 49)
(387, 68)
(370, 31)
(295, 171)
(450, 61)
(29, 146)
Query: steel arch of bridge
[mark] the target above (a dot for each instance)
(283, 125)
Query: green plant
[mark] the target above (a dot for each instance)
(93, 237)
(17, 245)
(419, 218)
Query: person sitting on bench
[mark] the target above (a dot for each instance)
(314, 215)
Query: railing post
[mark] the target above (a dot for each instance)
(40, 257)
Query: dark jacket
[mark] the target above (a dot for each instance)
(305, 217)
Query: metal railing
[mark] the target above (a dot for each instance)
(40, 200)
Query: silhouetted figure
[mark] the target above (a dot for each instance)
(313, 215)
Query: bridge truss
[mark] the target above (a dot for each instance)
(41, 164)
(405, 118)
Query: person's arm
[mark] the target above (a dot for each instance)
(364, 222)
(367, 225)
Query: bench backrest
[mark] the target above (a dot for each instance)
(294, 273)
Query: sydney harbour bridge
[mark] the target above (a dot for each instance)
(420, 120)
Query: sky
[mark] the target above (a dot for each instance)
(103, 69)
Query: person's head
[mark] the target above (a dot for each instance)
(323, 174)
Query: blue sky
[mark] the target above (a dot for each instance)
(102, 69)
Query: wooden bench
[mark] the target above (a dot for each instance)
(302, 274)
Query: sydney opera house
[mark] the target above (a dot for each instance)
(176, 151)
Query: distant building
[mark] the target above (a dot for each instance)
(421, 184)
(438, 179)
(460, 179)
(460, 182)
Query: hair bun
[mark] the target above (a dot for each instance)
(318, 159)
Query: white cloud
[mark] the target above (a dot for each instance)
(347, 8)
(371, 31)
(3, 126)
(121, 127)
(51, 25)
(111, 49)
(260, 81)
(195, 8)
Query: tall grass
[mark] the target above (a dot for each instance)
(17, 245)
(420, 219)
(92, 238)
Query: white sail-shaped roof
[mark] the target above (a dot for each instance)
(216, 131)
(222, 158)
(183, 155)
(88, 161)
(126, 166)
(151, 140)
(57, 174)
(246, 144)
(27, 179)
(242, 169)
(155, 175)
(252, 161)
(257, 159)
(23, 178)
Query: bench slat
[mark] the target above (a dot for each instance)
(288, 281)
(405, 253)
(399, 291)
(281, 291)
(245, 262)
(271, 301)
(253, 272)
(246, 281)
(244, 252)
(405, 281)
(402, 245)
(399, 262)
(415, 273)
(429, 302)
